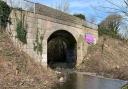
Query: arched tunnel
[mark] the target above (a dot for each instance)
(61, 50)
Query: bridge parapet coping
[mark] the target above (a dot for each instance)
(44, 10)
(54, 13)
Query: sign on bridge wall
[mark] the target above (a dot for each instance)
(90, 38)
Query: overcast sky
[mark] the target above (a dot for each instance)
(92, 9)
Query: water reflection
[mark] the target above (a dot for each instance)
(82, 81)
(70, 83)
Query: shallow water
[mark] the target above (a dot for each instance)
(84, 81)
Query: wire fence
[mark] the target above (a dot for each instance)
(23, 4)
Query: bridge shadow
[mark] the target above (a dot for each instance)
(61, 50)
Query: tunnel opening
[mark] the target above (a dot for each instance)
(61, 51)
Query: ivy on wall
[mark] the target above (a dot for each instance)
(5, 11)
(21, 27)
(38, 43)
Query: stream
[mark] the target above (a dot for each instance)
(79, 80)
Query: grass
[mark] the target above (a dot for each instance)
(19, 71)
(111, 62)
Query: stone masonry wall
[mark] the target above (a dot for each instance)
(46, 26)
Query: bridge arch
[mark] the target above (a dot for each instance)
(61, 49)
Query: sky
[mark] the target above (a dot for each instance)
(94, 10)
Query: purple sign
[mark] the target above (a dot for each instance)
(89, 38)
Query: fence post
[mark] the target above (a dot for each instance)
(34, 8)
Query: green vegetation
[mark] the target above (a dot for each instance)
(81, 16)
(38, 43)
(110, 26)
(21, 32)
(125, 87)
(5, 11)
(104, 31)
(21, 28)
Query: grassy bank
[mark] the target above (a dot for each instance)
(108, 58)
(19, 71)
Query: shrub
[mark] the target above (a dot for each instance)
(21, 32)
(125, 87)
(5, 11)
(21, 26)
(38, 43)
(103, 31)
(81, 16)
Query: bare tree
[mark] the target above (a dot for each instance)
(23, 4)
(111, 24)
(123, 30)
(62, 5)
(123, 10)
(92, 19)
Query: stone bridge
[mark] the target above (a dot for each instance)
(52, 36)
